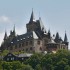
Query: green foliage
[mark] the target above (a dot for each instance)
(34, 60)
(50, 61)
(19, 52)
(67, 67)
(38, 67)
(15, 65)
(3, 53)
(26, 67)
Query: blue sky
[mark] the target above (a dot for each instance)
(55, 15)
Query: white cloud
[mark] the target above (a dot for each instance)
(1, 37)
(5, 19)
(20, 31)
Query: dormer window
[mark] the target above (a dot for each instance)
(31, 35)
(11, 42)
(21, 39)
(28, 37)
(17, 40)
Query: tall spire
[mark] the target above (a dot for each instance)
(14, 30)
(5, 36)
(65, 38)
(32, 16)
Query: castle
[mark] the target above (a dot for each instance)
(36, 39)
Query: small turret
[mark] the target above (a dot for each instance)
(65, 39)
(49, 34)
(5, 36)
(13, 33)
(57, 38)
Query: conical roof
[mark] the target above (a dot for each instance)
(65, 38)
(32, 17)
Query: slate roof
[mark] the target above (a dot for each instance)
(25, 55)
(23, 37)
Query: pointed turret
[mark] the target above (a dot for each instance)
(57, 37)
(32, 17)
(49, 34)
(5, 36)
(65, 38)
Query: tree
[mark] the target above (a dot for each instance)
(34, 60)
(67, 67)
(38, 67)
(6, 65)
(26, 67)
(16, 65)
(60, 65)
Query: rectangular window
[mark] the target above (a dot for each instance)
(7, 59)
(38, 42)
(11, 48)
(26, 49)
(30, 42)
(22, 44)
(15, 46)
(26, 43)
(30, 48)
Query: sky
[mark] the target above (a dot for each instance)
(55, 15)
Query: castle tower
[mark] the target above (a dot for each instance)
(31, 25)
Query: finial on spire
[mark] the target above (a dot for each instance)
(32, 16)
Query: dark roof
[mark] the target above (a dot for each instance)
(65, 38)
(24, 55)
(23, 37)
